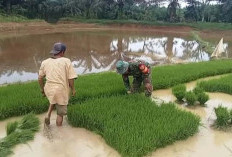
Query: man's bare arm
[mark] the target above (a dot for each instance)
(71, 85)
(41, 84)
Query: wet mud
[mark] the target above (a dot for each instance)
(208, 141)
(65, 141)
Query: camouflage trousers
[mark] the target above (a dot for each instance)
(147, 82)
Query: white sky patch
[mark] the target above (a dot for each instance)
(184, 4)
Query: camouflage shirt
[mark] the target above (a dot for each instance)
(134, 70)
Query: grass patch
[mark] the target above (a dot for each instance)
(179, 91)
(133, 124)
(195, 25)
(23, 98)
(19, 132)
(223, 84)
(16, 18)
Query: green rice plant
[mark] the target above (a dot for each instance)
(137, 124)
(11, 127)
(223, 116)
(223, 84)
(179, 91)
(22, 98)
(198, 90)
(19, 132)
(190, 97)
(202, 98)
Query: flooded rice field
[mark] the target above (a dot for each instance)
(93, 51)
(208, 141)
(82, 143)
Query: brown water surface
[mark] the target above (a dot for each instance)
(93, 51)
(208, 141)
(64, 141)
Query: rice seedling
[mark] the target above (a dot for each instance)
(179, 91)
(202, 98)
(19, 132)
(191, 98)
(133, 124)
(198, 90)
(11, 127)
(223, 84)
(223, 116)
(20, 99)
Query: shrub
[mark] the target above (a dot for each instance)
(223, 116)
(190, 97)
(202, 98)
(137, 124)
(179, 91)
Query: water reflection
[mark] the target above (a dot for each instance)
(93, 51)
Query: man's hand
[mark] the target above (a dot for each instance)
(73, 92)
(42, 92)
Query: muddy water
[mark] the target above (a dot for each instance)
(93, 51)
(208, 141)
(63, 141)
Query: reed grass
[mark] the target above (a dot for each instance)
(19, 132)
(23, 98)
(133, 124)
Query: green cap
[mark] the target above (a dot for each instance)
(122, 66)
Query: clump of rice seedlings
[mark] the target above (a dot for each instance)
(223, 84)
(179, 92)
(191, 98)
(223, 116)
(11, 127)
(197, 90)
(202, 98)
(19, 132)
(139, 125)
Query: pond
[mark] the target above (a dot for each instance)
(93, 51)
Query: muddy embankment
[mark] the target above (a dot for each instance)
(11, 28)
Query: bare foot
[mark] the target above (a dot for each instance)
(47, 121)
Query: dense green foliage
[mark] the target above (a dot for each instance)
(19, 99)
(148, 10)
(19, 132)
(223, 116)
(191, 98)
(223, 84)
(133, 124)
(179, 91)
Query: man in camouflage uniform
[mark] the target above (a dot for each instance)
(140, 71)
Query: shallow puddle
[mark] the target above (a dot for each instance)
(208, 141)
(64, 141)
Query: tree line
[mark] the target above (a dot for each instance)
(147, 10)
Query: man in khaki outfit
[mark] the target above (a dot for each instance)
(60, 76)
